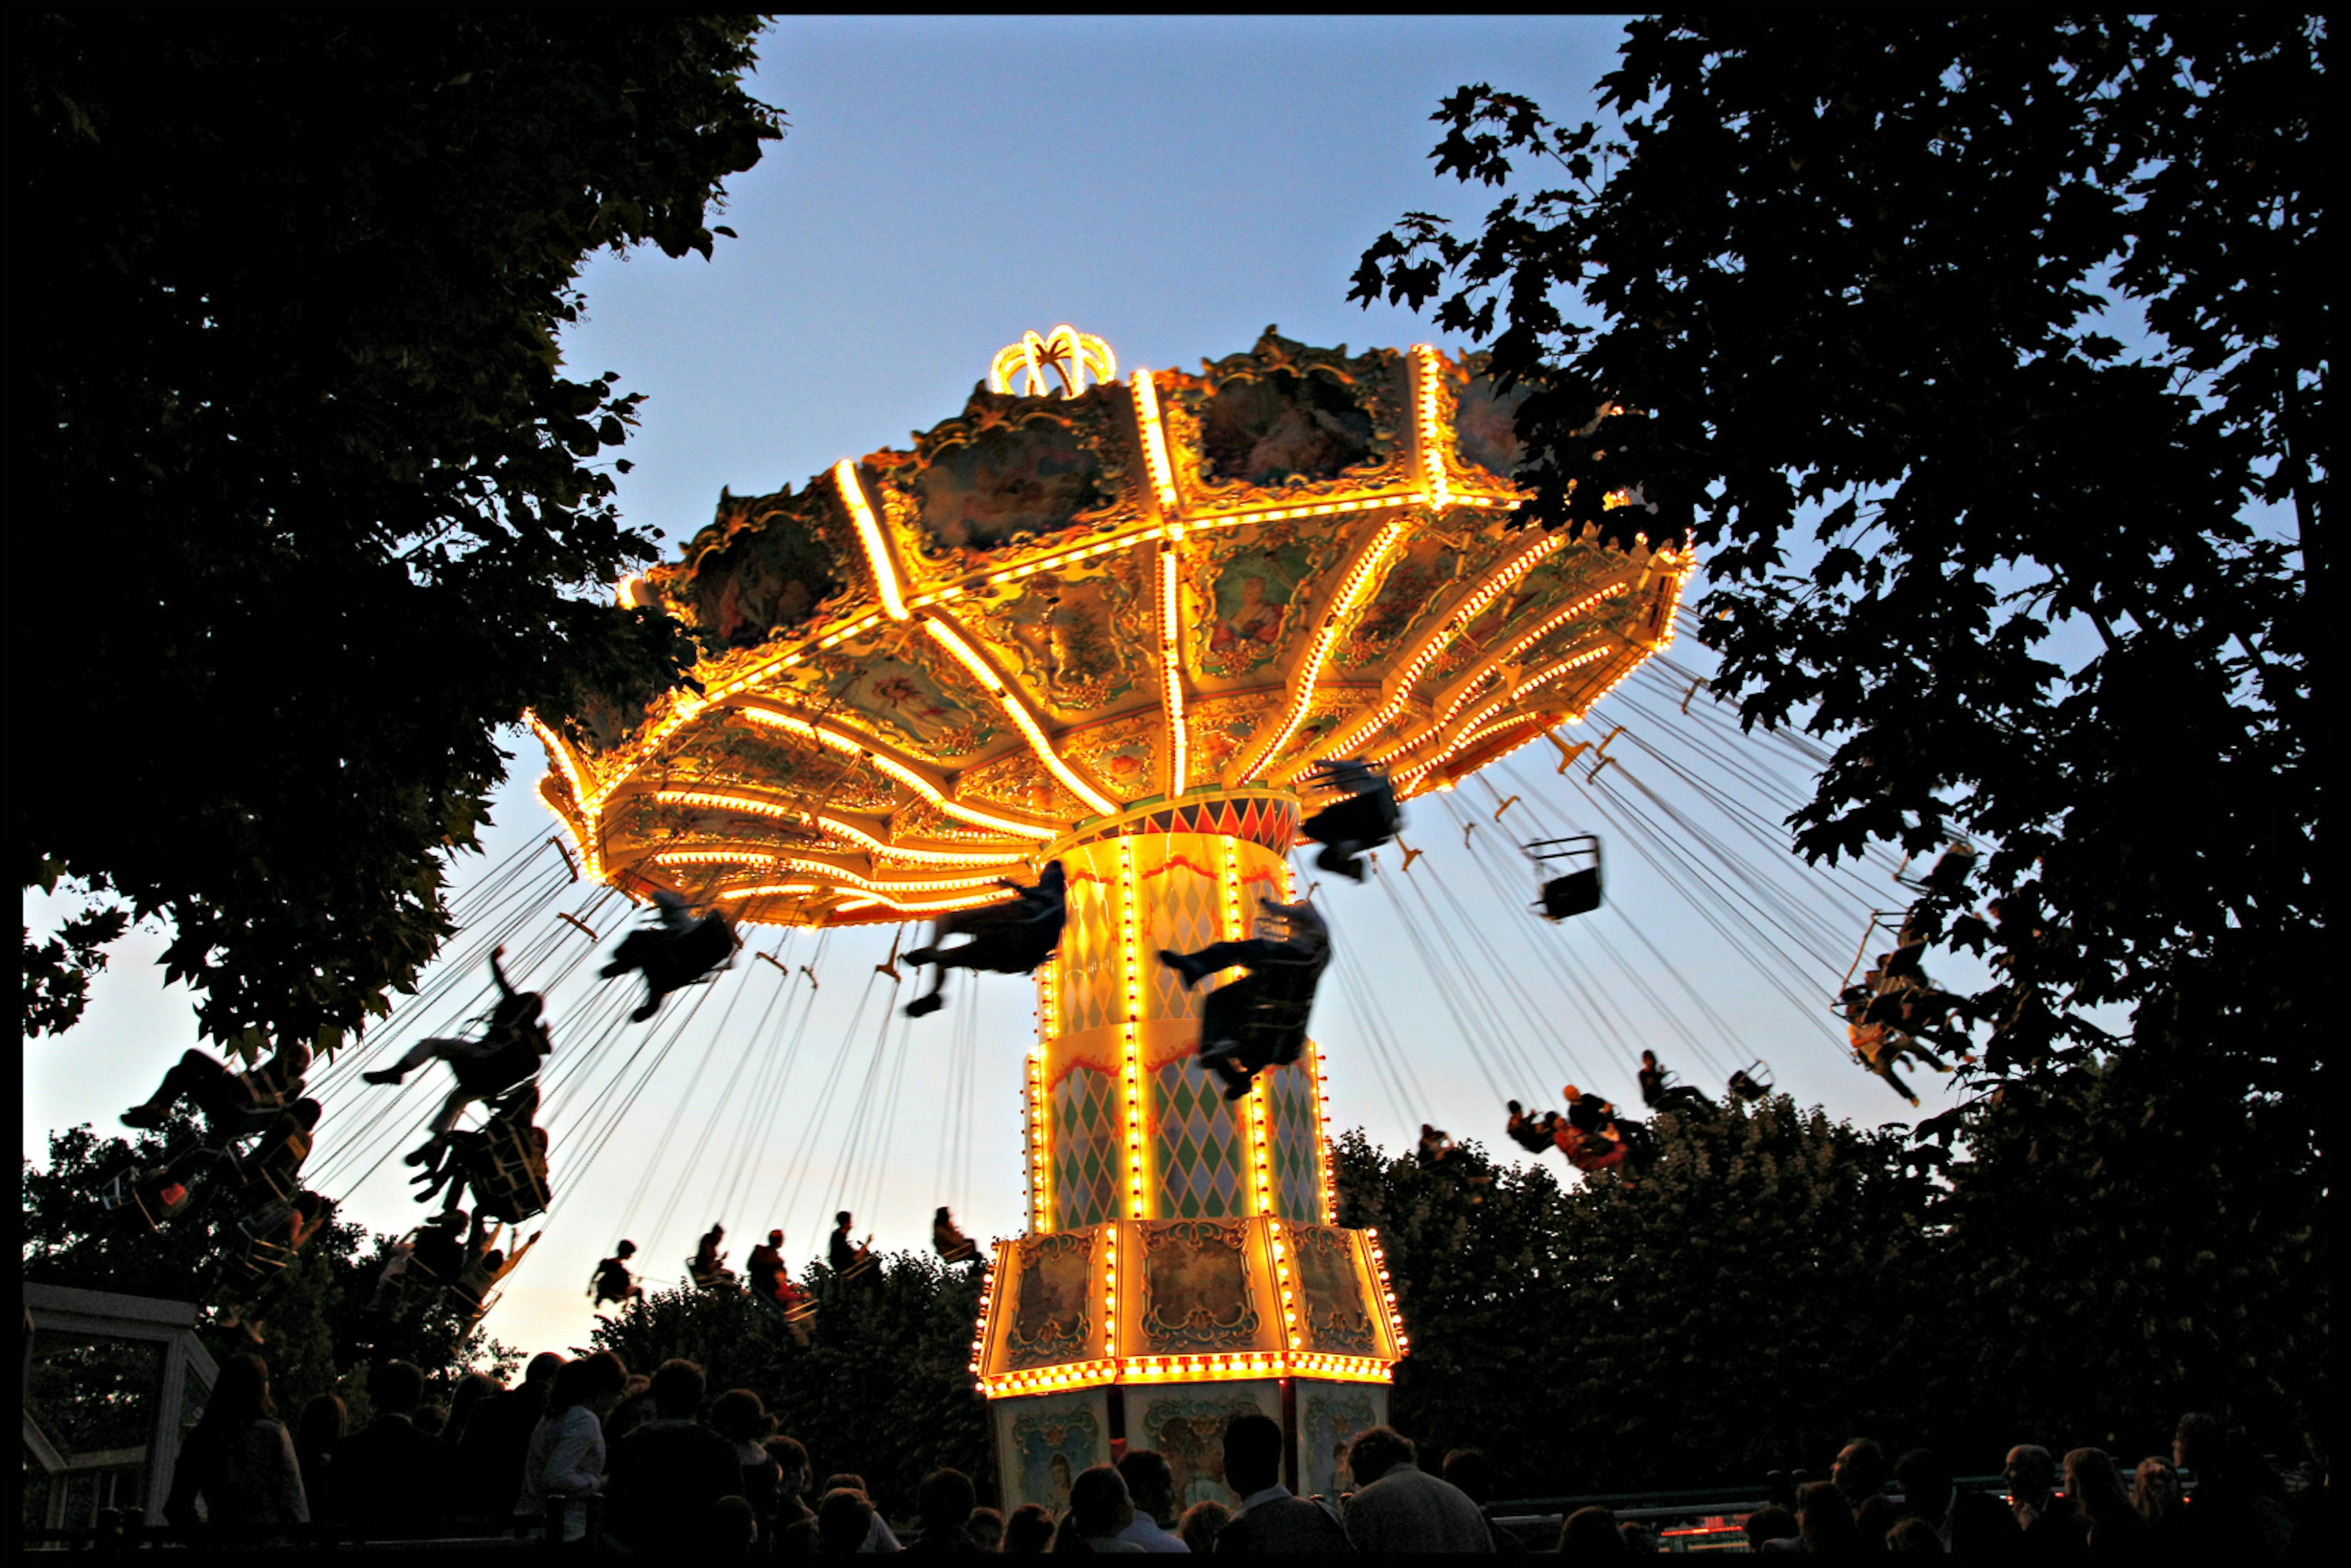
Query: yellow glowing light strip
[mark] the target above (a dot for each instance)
(1109, 1289)
(1477, 730)
(1130, 1028)
(1471, 683)
(1235, 1367)
(1387, 1291)
(1328, 1180)
(1171, 672)
(1438, 637)
(561, 753)
(850, 744)
(1040, 1147)
(910, 905)
(869, 535)
(766, 889)
(1534, 634)
(986, 1301)
(1341, 615)
(1017, 711)
(1430, 434)
(1477, 722)
(823, 869)
(1154, 442)
(590, 866)
(1401, 497)
(1281, 1282)
(909, 853)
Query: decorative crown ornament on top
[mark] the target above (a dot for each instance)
(1069, 354)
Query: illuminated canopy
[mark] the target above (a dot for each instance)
(926, 667)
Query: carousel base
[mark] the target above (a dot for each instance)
(1141, 1333)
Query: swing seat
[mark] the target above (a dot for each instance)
(153, 1197)
(1573, 892)
(1591, 1151)
(715, 1278)
(1577, 892)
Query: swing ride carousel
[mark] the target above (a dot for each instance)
(1114, 621)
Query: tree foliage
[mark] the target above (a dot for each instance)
(319, 507)
(1777, 1282)
(319, 1336)
(883, 1389)
(1951, 336)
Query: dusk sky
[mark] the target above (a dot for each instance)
(1173, 185)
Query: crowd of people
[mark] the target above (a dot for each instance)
(581, 1452)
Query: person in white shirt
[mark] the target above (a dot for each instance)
(1151, 1483)
(565, 1457)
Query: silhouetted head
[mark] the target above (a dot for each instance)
(1377, 1450)
(1516, 1108)
(395, 1387)
(740, 1416)
(1099, 1503)
(1055, 875)
(306, 1112)
(1467, 1471)
(1648, 1058)
(1860, 1470)
(843, 1520)
(842, 1220)
(941, 1217)
(625, 1249)
(1150, 1482)
(775, 1239)
(544, 1365)
(1252, 1452)
(946, 1499)
(240, 1394)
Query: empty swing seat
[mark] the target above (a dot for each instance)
(1571, 892)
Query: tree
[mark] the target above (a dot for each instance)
(1763, 1290)
(882, 1388)
(2024, 322)
(296, 362)
(318, 1332)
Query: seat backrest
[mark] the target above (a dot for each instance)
(1577, 892)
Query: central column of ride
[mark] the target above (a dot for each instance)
(1182, 1264)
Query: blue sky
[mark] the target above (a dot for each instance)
(1174, 185)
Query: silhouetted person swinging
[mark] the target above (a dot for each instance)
(847, 1257)
(271, 1235)
(612, 1281)
(232, 1102)
(509, 1052)
(708, 1267)
(677, 950)
(1258, 1021)
(948, 1240)
(504, 1164)
(1536, 1134)
(1365, 817)
(1008, 938)
(1659, 1093)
